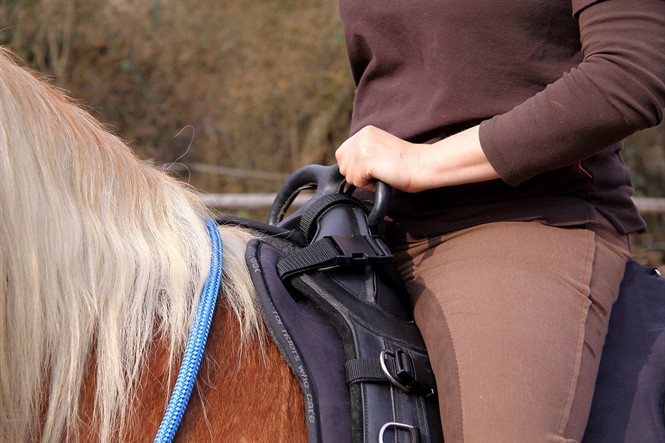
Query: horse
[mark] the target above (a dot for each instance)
(103, 257)
(102, 260)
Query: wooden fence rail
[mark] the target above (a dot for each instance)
(649, 205)
(646, 205)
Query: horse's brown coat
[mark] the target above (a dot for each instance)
(247, 395)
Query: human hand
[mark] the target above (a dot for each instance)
(374, 154)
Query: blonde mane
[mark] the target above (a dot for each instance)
(100, 256)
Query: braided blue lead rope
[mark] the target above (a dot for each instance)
(195, 343)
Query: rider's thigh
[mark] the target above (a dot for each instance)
(514, 316)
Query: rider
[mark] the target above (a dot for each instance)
(498, 124)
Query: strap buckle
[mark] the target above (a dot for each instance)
(360, 250)
(334, 250)
(405, 374)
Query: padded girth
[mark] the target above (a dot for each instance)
(348, 324)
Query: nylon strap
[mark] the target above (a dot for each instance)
(309, 219)
(408, 375)
(334, 251)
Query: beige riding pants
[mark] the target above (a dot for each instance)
(514, 315)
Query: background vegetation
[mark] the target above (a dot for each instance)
(255, 85)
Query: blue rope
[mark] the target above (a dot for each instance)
(195, 343)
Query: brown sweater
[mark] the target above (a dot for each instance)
(555, 86)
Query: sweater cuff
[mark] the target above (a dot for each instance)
(494, 156)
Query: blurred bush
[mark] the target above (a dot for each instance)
(258, 85)
(261, 85)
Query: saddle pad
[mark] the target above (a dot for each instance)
(628, 404)
(309, 343)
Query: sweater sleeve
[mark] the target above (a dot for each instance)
(617, 89)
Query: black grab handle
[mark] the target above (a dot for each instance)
(326, 180)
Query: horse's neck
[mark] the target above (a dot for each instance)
(117, 252)
(241, 395)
